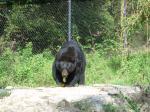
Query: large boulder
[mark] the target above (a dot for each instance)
(97, 98)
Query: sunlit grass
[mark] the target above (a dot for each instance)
(26, 69)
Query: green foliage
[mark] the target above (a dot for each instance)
(138, 16)
(109, 48)
(130, 103)
(133, 105)
(47, 23)
(94, 22)
(6, 68)
(36, 25)
(109, 108)
(132, 69)
(24, 68)
(135, 68)
(97, 25)
(97, 70)
(84, 106)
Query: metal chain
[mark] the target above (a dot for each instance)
(69, 20)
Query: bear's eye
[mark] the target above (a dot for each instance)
(71, 67)
(58, 65)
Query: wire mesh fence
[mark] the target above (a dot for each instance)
(45, 23)
(42, 24)
(32, 30)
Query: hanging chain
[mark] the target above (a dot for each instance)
(69, 20)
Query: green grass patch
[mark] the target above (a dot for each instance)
(23, 68)
(109, 108)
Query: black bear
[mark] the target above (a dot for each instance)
(69, 65)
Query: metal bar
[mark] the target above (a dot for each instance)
(69, 20)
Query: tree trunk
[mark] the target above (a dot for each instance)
(123, 30)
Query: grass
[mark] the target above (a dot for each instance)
(109, 108)
(127, 70)
(23, 68)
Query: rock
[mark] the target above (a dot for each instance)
(9, 88)
(4, 93)
(97, 98)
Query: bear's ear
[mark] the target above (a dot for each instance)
(60, 54)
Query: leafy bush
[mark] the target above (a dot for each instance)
(130, 70)
(23, 68)
(97, 70)
(135, 68)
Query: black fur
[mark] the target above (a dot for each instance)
(71, 58)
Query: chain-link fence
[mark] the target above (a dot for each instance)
(45, 23)
(31, 31)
